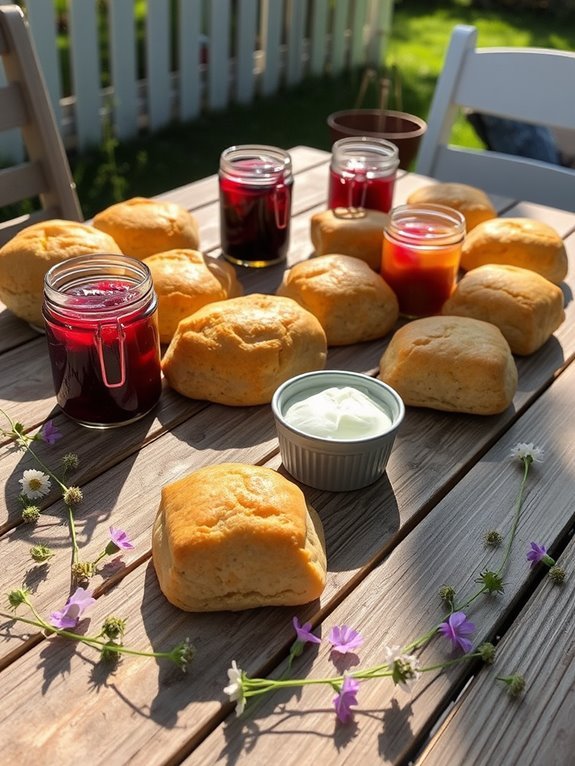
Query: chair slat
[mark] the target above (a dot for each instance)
(21, 182)
(9, 228)
(13, 112)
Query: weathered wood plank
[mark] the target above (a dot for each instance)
(485, 727)
(398, 602)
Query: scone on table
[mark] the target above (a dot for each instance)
(351, 301)
(234, 536)
(451, 363)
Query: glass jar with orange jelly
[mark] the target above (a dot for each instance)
(421, 254)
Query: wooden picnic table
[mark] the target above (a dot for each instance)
(390, 548)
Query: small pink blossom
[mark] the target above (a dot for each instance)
(344, 639)
(345, 698)
(120, 539)
(70, 615)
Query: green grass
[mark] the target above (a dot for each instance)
(183, 153)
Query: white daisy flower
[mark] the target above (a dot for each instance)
(235, 689)
(35, 484)
(525, 451)
(404, 667)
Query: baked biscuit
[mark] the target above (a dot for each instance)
(521, 242)
(25, 259)
(238, 351)
(142, 227)
(352, 302)
(234, 536)
(451, 363)
(186, 280)
(525, 306)
(474, 204)
(350, 231)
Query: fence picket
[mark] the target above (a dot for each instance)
(85, 59)
(219, 54)
(297, 12)
(339, 47)
(275, 42)
(319, 27)
(245, 47)
(42, 19)
(123, 67)
(158, 63)
(271, 26)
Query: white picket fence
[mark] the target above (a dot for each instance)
(226, 51)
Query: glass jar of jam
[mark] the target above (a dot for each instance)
(100, 316)
(362, 173)
(421, 254)
(255, 184)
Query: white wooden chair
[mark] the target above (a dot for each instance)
(44, 173)
(531, 85)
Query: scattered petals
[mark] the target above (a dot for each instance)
(235, 689)
(70, 615)
(35, 483)
(49, 433)
(344, 639)
(529, 452)
(456, 629)
(303, 632)
(345, 698)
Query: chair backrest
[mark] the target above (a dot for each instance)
(44, 174)
(531, 85)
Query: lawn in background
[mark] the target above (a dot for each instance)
(183, 153)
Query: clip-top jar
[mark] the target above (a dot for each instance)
(100, 315)
(255, 204)
(421, 254)
(362, 173)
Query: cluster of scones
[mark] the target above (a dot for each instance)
(233, 349)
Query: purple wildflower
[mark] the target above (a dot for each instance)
(70, 615)
(456, 628)
(345, 698)
(344, 639)
(120, 541)
(303, 632)
(50, 433)
(539, 553)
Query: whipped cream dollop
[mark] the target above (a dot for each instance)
(338, 413)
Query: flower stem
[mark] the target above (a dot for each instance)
(516, 516)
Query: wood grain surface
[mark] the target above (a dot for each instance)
(390, 547)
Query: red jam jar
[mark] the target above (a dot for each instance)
(255, 204)
(421, 254)
(362, 173)
(101, 320)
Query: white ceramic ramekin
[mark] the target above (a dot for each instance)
(338, 465)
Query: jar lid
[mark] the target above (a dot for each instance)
(427, 224)
(375, 155)
(256, 164)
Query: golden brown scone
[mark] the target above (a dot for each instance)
(234, 536)
(473, 204)
(238, 351)
(142, 227)
(25, 259)
(525, 306)
(451, 363)
(185, 280)
(351, 301)
(518, 242)
(350, 231)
